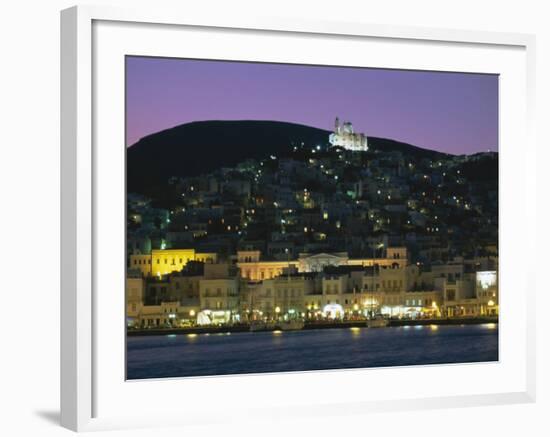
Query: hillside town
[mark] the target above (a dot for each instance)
(334, 231)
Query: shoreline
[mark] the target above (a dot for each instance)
(309, 326)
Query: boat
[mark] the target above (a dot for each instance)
(260, 325)
(377, 322)
(290, 325)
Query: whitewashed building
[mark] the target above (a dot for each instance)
(344, 136)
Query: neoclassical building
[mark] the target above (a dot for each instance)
(344, 136)
(252, 267)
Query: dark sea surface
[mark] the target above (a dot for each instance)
(259, 352)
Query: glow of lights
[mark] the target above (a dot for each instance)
(355, 329)
(277, 310)
(486, 279)
(491, 303)
(434, 327)
(192, 313)
(333, 310)
(491, 325)
(277, 332)
(191, 335)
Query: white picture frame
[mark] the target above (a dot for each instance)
(87, 401)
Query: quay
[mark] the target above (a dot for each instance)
(310, 325)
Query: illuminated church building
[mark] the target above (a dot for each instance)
(344, 136)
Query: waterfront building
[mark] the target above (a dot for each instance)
(289, 293)
(134, 297)
(459, 297)
(487, 292)
(164, 315)
(165, 261)
(253, 268)
(313, 286)
(185, 289)
(141, 262)
(220, 295)
(420, 304)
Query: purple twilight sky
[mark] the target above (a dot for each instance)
(450, 112)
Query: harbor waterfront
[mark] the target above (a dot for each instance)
(223, 353)
(245, 327)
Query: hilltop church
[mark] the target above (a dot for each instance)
(344, 136)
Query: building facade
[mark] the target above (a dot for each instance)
(344, 136)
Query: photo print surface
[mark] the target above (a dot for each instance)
(289, 217)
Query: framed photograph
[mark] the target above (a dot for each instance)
(271, 218)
